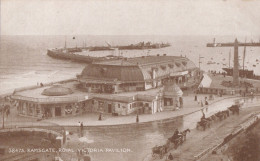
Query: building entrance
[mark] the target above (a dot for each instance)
(57, 111)
(109, 108)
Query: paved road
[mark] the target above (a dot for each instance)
(138, 138)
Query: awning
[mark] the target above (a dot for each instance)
(179, 73)
(172, 90)
(206, 81)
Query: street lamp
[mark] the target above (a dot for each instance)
(3, 109)
(199, 63)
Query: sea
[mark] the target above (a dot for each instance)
(24, 60)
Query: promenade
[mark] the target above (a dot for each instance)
(91, 119)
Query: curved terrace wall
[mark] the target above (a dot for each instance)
(54, 137)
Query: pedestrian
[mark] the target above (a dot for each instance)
(252, 93)
(206, 103)
(177, 106)
(170, 157)
(181, 102)
(211, 97)
(137, 118)
(81, 129)
(201, 103)
(203, 116)
(7, 112)
(100, 117)
(81, 125)
(195, 98)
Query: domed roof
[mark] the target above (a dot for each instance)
(57, 90)
(172, 90)
(110, 72)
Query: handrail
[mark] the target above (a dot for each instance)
(30, 130)
(50, 99)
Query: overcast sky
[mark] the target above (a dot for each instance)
(130, 17)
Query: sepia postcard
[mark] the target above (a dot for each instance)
(129, 80)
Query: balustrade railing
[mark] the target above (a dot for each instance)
(51, 99)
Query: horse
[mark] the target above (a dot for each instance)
(213, 118)
(204, 123)
(227, 112)
(220, 115)
(176, 140)
(234, 109)
(184, 133)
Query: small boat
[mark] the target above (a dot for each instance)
(254, 65)
(256, 60)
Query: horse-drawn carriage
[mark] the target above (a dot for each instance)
(206, 122)
(173, 142)
(219, 116)
(159, 150)
(203, 123)
(234, 109)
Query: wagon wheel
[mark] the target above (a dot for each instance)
(154, 155)
(176, 145)
(204, 126)
(166, 150)
(161, 153)
(208, 124)
(197, 127)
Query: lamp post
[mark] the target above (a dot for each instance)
(3, 115)
(199, 63)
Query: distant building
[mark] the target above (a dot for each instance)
(136, 74)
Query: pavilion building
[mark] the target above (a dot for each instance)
(117, 87)
(137, 74)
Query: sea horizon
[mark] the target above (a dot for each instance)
(24, 60)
